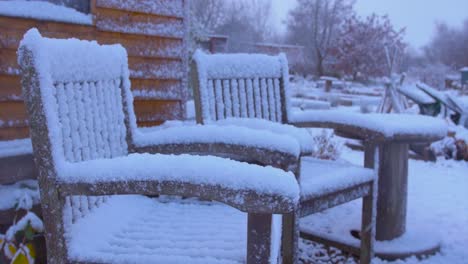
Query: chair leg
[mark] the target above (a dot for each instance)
(258, 238)
(367, 229)
(290, 238)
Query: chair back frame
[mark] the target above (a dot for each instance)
(224, 87)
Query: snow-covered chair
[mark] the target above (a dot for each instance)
(83, 130)
(249, 90)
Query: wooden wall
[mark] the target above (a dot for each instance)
(152, 31)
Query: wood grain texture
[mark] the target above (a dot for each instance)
(173, 8)
(138, 23)
(156, 57)
(164, 89)
(11, 113)
(17, 132)
(392, 202)
(10, 87)
(149, 110)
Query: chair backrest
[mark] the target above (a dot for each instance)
(78, 91)
(240, 85)
(80, 107)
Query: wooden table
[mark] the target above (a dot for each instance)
(392, 173)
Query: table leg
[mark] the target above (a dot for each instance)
(392, 189)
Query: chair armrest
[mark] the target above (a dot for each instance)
(402, 128)
(239, 143)
(250, 188)
(248, 201)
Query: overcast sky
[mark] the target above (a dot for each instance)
(418, 16)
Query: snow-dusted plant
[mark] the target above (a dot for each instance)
(326, 146)
(16, 245)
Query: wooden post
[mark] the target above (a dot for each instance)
(290, 238)
(392, 191)
(258, 238)
(367, 229)
(328, 85)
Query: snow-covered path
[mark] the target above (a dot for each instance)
(437, 202)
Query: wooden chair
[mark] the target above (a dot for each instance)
(83, 130)
(251, 90)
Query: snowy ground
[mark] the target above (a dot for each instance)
(437, 199)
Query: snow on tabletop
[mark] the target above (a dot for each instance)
(185, 169)
(322, 176)
(229, 134)
(167, 229)
(238, 65)
(437, 209)
(387, 124)
(267, 127)
(15, 147)
(23, 194)
(70, 60)
(43, 10)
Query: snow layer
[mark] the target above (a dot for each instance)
(165, 230)
(23, 193)
(31, 218)
(319, 177)
(241, 85)
(70, 60)
(43, 10)
(15, 147)
(388, 124)
(81, 85)
(185, 169)
(301, 135)
(437, 207)
(416, 95)
(239, 65)
(229, 134)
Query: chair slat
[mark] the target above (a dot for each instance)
(110, 117)
(242, 98)
(250, 98)
(66, 126)
(81, 118)
(120, 115)
(227, 98)
(235, 98)
(271, 99)
(89, 119)
(84, 205)
(211, 100)
(257, 98)
(75, 137)
(96, 120)
(279, 115)
(219, 100)
(75, 208)
(264, 99)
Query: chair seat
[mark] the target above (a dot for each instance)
(321, 177)
(137, 229)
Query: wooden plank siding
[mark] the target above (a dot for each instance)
(154, 35)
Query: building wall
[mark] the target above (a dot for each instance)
(154, 34)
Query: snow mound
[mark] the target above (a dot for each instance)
(387, 124)
(44, 11)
